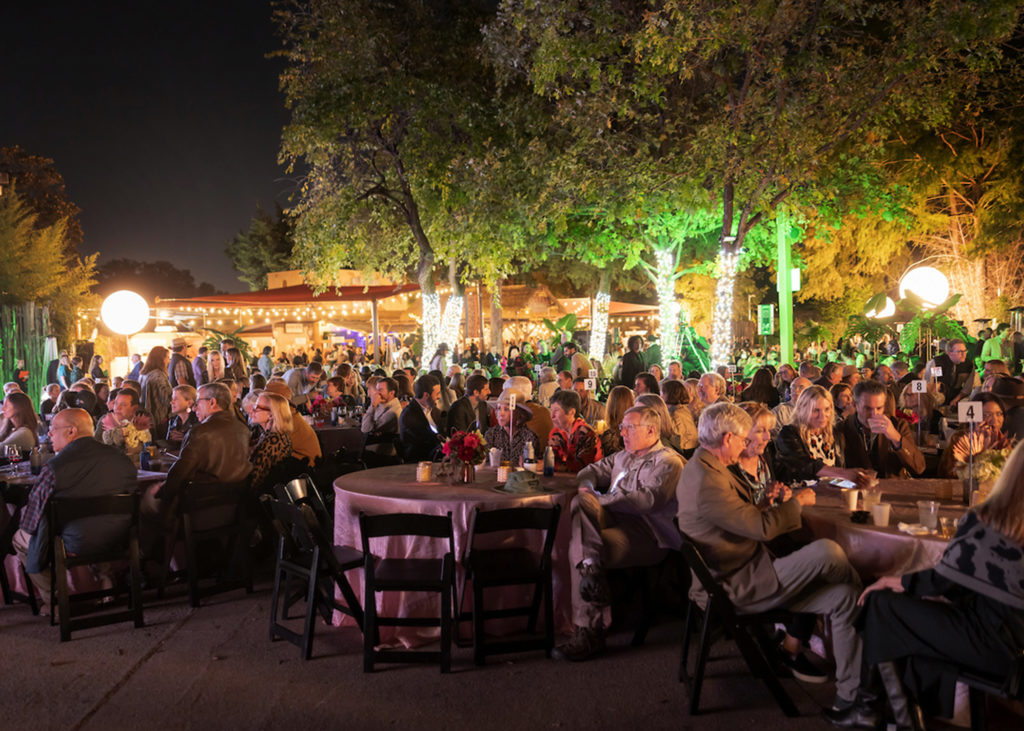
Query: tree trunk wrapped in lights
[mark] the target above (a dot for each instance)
(721, 323)
(668, 306)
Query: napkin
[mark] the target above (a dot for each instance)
(914, 529)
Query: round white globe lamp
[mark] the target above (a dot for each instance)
(888, 310)
(928, 283)
(125, 312)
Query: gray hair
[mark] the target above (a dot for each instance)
(718, 419)
(548, 375)
(648, 416)
(720, 385)
(220, 393)
(521, 384)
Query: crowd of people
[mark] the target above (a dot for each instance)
(717, 456)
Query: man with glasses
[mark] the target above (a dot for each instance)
(731, 533)
(958, 378)
(621, 516)
(83, 467)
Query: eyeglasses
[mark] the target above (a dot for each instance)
(257, 407)
(52, 428)
(205, 398)
(961, 351)
(632, 427)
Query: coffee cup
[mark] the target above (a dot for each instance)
(851, 499)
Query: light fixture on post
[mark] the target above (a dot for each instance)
(926, 282)
(887, 311)
(125, 312)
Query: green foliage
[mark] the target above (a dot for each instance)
(151, 279)
(42, 188)
(561, 330)
(37, 268)
(265, 247)
(216, 337)
(928, 326)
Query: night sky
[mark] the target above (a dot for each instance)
(163, 117)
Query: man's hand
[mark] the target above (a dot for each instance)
(882, 424)
(778, 491)
(806, 497)
(893, 583)
(585, 488)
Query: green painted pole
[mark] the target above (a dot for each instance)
(785, 283)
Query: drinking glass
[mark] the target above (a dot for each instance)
(880, 514)
(928, 514)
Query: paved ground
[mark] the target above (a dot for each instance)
(213, 667)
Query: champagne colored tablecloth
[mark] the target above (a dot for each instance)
(395, 490)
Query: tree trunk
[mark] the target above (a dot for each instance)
(497, 343)
(668, 305)
(728, 258)
(431, 307)
(599, 315)
(452, 319)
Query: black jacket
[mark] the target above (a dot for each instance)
(419, 442)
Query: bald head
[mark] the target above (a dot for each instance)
(69, 425)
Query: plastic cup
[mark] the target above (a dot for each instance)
(495, 457)
(948, 529)
(872, 498)
(928, 514)
(880, 514)
(851, 499)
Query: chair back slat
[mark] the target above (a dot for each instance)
(294, 521)
(66, 510)
(405, 524)
(198, 496)
(515, 519)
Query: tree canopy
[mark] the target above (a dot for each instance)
(265, 247)
(151, 279)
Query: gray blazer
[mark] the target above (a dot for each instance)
(729, 531)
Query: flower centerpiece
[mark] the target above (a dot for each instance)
(986, 468)
(320, 409)
(129, 436)
(463, 451)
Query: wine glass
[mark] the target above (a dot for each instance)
(13, 455)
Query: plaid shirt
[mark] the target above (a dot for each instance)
(35, 509)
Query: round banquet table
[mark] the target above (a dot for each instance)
(884, 551)
(394, 490)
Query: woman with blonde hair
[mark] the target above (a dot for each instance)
(620, 400)
(214, 366)
(695, 405)
(669, 435)
(677, 399)
(923, 644)
(271, 418)
(807, 448)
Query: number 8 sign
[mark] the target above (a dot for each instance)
(969, 412)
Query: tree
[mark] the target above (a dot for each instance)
(265, 247)
(151, 279)
(390, 107)
(755, 103)
(36, 265)
(42, 188)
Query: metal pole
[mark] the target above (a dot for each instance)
(785, 288)
(376, 331)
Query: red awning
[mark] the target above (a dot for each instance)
(295, 295)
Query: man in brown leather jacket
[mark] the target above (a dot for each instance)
(216, 449)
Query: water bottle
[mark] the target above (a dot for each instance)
(35, 460)
(549, 462)
(528, 457)
(334, 416)
(144, 458)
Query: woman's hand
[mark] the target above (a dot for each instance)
(892, 583)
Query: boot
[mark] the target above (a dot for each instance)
(906, 713)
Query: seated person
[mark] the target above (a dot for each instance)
(988, 435)
(731, 533)
(870, 440)
(215, 450)
(470, 412)
(497, 437)
(305, 445)
(676, 398)
(980, 624)
(126, 426)
(20, 422)
(272, 437)
(540, 420)
(421, 425)
(620, 400)
(334, 390)
(573, 441)
(183, 416)
(621, 516)
(381, 419)
(82, 467)
(591, 409)
(50, 395)
(807, 448)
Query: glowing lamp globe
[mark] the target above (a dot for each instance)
(887, 311)
(125, 312)
(928, 283)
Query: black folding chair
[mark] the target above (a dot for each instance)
(304, 552)
(303, 491)
(84, 609)
(10, 596)
(407, 574)
(981, 686)
(745, 630)
(511, 565)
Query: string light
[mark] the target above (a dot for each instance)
(721, 319)
(451, 321)
(431, 323)
(668, 307)
(599, 329)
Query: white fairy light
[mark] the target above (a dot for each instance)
(721, 322)
(668, 307)
(599, 328)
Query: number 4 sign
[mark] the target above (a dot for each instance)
(969, 412)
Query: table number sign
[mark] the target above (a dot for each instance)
(969, 412)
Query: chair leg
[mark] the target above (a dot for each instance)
(135, 577)
(478, 625)
(535, 603)
(684, 655)
(30, 592)
(978, 699)
(274, 598)
(446, 625)
(549, 614)
(759, 666)
(369, 628)
(63, 596)
(310, 623)
(702, 659)
(351, 599)
(646, 610)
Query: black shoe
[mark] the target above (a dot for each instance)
(856, 715)
(801, 668)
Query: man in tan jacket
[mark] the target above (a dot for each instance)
(731, 532)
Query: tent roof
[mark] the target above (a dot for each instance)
(294, 295)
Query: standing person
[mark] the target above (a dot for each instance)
(156, 387)
(266, 364)
(82, 467)
(64, 372)
(301, 381)
(633, 362)
(235, 367)
(136, 371)
(199, 373)
(179, 367)
(214, 366)
(76, 370)
(96, 368)
(958, 378)
(437, 362)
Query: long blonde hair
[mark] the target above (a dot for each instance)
(210, 371)
(1003, 511)
(802, 414)
(619, 400)
(280, 412)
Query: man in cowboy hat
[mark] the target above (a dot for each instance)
(179, 367)
(1011, 392)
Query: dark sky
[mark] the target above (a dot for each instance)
(163, 117)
